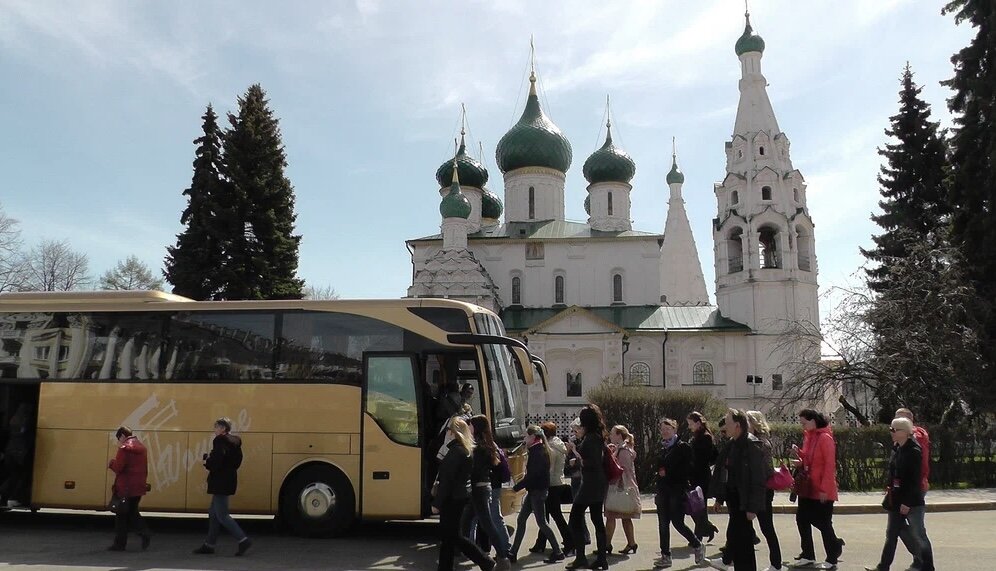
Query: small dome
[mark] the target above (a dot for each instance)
(749, 41)
(534, 141)
(491, 206)
(609, 163)
(472, 172)
(455, 204)
(675, 176)
(587, 204)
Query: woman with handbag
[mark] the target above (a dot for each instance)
(591, 493)
(704, 455)
(816, 487)
(131, 469)
(674, 462)
(759, 428)
(623, 499)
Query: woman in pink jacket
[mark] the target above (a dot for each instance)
(818, 459)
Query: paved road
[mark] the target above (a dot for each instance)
(77, 542)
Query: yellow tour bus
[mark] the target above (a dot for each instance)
(336, 401)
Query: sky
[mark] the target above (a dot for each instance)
(100, 102)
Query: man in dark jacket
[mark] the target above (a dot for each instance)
(131, 470)
(745, 489)
(905, 499)
(223, 464)
(674, 462)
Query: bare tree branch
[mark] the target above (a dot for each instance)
(55, 266)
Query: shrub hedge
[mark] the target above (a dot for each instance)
(961, 456)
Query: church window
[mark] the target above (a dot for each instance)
(765, 193)
(761, 151)
(740, 154)
(795, 194)
(805, 245)
(534, 251)
(617, 288)
(735, 251)
(558, 289)
(767, 243)
(610, 204)
(702, 373)
(776, 382)
(639, 374)
(574, 384)
(735, 198)
(532, 203)
(516, 290)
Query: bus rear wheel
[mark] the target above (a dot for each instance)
(318, 501)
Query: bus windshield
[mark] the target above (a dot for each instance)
(504, 384)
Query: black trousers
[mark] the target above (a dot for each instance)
(450, 538)
(740, 535)
(577, 526)
(129, 520)
(814, 513)
(766, 522)
(671, 513)
(555, 511)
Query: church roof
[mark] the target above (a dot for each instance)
(645, 318)
(544, 230)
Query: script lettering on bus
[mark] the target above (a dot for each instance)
(168, 461)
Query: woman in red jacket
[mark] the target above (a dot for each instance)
(131, 469)
(817, 459)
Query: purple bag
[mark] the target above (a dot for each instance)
(695, 501)
(503, 468)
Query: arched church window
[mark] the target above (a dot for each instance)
(532, 203)
(617, 288)
(795, 194)
(740, 154)
(735, 198)
(767, 244)
(574, 384)
(558, 289)
(702, 373)
(761, 151)
(516, 290)
(735, 251)
(610, 204)
(639, 374)
(805, 246)
(765, 193)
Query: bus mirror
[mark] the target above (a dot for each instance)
(523, 365)
(541, 371)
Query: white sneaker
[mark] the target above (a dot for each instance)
(827, 566)
(14, 504)
(662, 562)
(718, 564)
(772, 568)
(803, 562)
(699, 553)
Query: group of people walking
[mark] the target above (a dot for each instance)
(131, 470)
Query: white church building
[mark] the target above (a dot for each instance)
(599, 299)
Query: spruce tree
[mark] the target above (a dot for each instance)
(914, 203)
(263, 253)
(194, 263)
(972, 181)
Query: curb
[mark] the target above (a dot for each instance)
(866, 509)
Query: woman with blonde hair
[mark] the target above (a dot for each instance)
(451, 495)
(759, 427)
(624, 449)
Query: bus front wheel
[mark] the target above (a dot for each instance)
(318, 501)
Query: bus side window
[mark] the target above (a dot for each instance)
(329, 346)
(221, 346)
(391, 398)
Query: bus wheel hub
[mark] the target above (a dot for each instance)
(317, 500)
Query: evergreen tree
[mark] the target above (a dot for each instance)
(914, 203)
(263, 252)
(195, 263)
(972, 181)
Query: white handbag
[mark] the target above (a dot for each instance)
(622, 500)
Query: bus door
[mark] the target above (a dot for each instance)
(391, 462)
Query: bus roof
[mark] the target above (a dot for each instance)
(157, 300)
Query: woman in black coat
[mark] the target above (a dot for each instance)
(703, 457)
(594, 484)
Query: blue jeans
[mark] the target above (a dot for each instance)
(478, 512)
(504, 541)
(219, 517)
(535, 505)
(914, 535)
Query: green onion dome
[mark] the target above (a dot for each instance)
(587, 204)
(675, 176)
(455, 204)
(472, 172)
(534, 141)
(491, 206)
(609, 163)
(749, 41)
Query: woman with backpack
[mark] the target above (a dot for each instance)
(536, 482)
(591, 493)
(478, 510)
